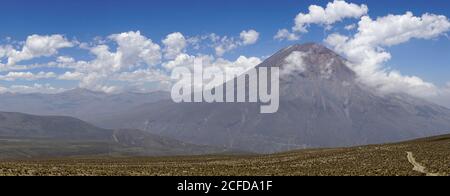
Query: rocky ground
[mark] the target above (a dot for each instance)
(378, 160)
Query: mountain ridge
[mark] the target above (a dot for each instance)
(79, 103)
(31, 136)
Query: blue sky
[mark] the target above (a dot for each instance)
(85, 21)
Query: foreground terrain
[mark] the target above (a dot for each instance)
(429, 156)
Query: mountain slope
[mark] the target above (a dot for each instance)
(321, 105)
(29, 136)
(17, 125)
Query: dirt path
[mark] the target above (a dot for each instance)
(418, 167)
(115, 137)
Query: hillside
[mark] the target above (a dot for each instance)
(18, 125)
(431, 154)
(29, 136)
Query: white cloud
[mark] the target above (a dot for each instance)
(12, 76)
(121, 61)
(35, 88)
(175, 44)
(65, 59)
(185, 60)
(133, 50)
(38, 46)
(144, 75)
(182, 60)
(396, 29)
(97, 82)
(106, 89)
(284, 34)
(91, 80)
(105, 60)
(249, 37)
(194, 41)
(225, 44)
(443, 96)
(71, 76)
(350, 27)
(334, 12)
(3, 52)
(242, 63)
(294, 63)
(230, 68)
(366, 49)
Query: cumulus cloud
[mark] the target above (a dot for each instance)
(175, 44)
(224, 44)
(443, 96)
(136, 61)
(366, 49)
(38, 46)
(120, 61)
(334, 12)
(285, 34)
(144, 75)
(71, 76)
(294, 63)
(97, 82)
(65, 59)
(3, 52)
(12, 76)
(212, 65)
(350, 27)
(185, 60)
(134, 49)
(249, 37)
(182, 60)
(35, 88)
(241, 64)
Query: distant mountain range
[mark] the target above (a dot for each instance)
(29, 136)
(80, 103)
(322, 104)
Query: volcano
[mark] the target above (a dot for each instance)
(322, 104)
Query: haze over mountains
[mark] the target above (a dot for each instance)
(80, 103)
(322, 104)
